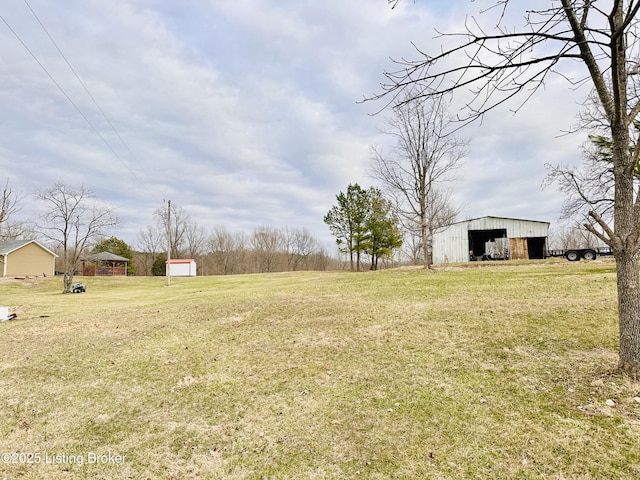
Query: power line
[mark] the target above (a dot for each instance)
(84, 86)
(69, 99)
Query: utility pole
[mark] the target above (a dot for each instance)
(168, 243)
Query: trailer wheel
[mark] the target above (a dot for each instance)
(589, 255)
(572, 256)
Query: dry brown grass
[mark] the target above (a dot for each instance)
(493, 371)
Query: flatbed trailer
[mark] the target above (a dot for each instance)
(575, 254)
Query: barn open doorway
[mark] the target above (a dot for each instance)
(536, 247)
(478, 240)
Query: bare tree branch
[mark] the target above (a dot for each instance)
(505, 65)
(425, 157)
(9, 206)
(72, 219)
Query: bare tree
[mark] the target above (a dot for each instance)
(412, 245)
(16, 229)
(590, 186)
(266, 249)
(266, 243)
(9, 205)
(299, 245)
(425, 156)
(228, 250)
(181, 222)
(320, 260)
(73, 218)
(498, 63)
(150, 243)
(195, 239)
(569, 237)
(441, 211)
(183, 237)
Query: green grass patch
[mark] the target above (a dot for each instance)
(494, 371)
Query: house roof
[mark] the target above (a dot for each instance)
(10, 246)
(106, 257)
(181, 260)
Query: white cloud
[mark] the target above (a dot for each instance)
(244, 112)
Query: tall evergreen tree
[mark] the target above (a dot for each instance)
(347, 222)
(159, 268)
(384, 233)
(363, 222)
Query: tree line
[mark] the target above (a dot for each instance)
(75, 224)
(224, 252)
(373, 228)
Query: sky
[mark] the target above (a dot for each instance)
(245, 113)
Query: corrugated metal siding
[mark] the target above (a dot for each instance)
(451, 243)
(515, 228)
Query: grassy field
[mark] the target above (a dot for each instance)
(489, 371)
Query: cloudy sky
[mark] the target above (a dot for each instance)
(243, 112)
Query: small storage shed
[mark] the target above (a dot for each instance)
(182, 267)
(26, 258)
(104, 264)
(490, 238)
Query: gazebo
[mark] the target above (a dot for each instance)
(104, 264)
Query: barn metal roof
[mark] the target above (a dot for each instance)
(498, 218)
